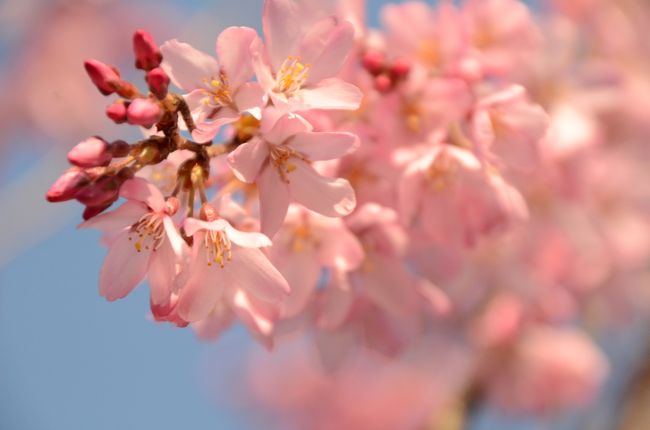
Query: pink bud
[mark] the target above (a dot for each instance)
(92, 211)
(120, 148)
(374, 62)
(400, 69)
(208, 213)
(383, 83)
(103, 76)
(91, 152)
(147, 53)
(144, 112)
(67, 186)
(172, 205)
(117, 112)
(158, 82)
(104, 191)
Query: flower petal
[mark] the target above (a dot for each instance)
(193, 225)
(302, 271)
(326, 196)
(141, 190)
(258, 323)
(124, 216)
(252, 271)
(207, 129)
(204, 286)
(162, 272)
(247, 239)
(186, 66)
(123, 268)
(331, 93)
(250, 98)
(341, 250)
(281, 31)
(326, 47)
(175, 240)
(324, 146)
(285, 127)
(247, 160)
(234, 51)
(274, 200)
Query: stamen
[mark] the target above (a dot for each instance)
(292, 76)
(281, 156)
(150, 232)
(218, 248)
(441, 171)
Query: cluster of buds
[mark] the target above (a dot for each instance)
(100, 167)
(386, 74)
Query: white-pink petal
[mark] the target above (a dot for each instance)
(141, 190)
(324, 145)
(124, 268)
(274, 200)
(246, 161)
(326, 196)
(124, 216)
(187, 66)
(234, 51)
(332, 93)
(252, 271)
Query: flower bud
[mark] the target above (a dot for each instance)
(120, 148)
(172, 205)
(400, 69)
(67, 186)
(104, 191)
(147, 53)
(117, 112)
(103, 76)
(208, 213)
(92, 211)
(91, 152)
(383, 83)
(374, 62)
(144, 112)
(158, 82)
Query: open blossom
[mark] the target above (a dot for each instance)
(508, 125)
(225, 265)
(142, 240)
(307, 244)
(454, 199)
(218, 91)
(279, 162)
(306, 46)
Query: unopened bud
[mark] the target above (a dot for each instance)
(374, 62)
(147, 53)
(104, 191)
(117, 111)
(383, 83)
(171, 206)
(158, 82)
(120, 148)
(67, 186)
(400, 69)
(103, 76)
(144, 112)
(91, 152)
(92, 211)
(208, 212)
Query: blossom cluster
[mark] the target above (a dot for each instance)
(448, 176)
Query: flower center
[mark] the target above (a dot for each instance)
(292, 76)
(217, 92)
(441, 172)
(148, 232)
(303, 238)
(218, 248)
(281, 156)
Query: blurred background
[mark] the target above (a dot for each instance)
(71, 360)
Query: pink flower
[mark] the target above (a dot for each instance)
(278, 161)
(226, 266)
(507, 124)
(552, 369)
(307, 244)
(143, 241)
(218, 89)
(454, 199)
(306, 46)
